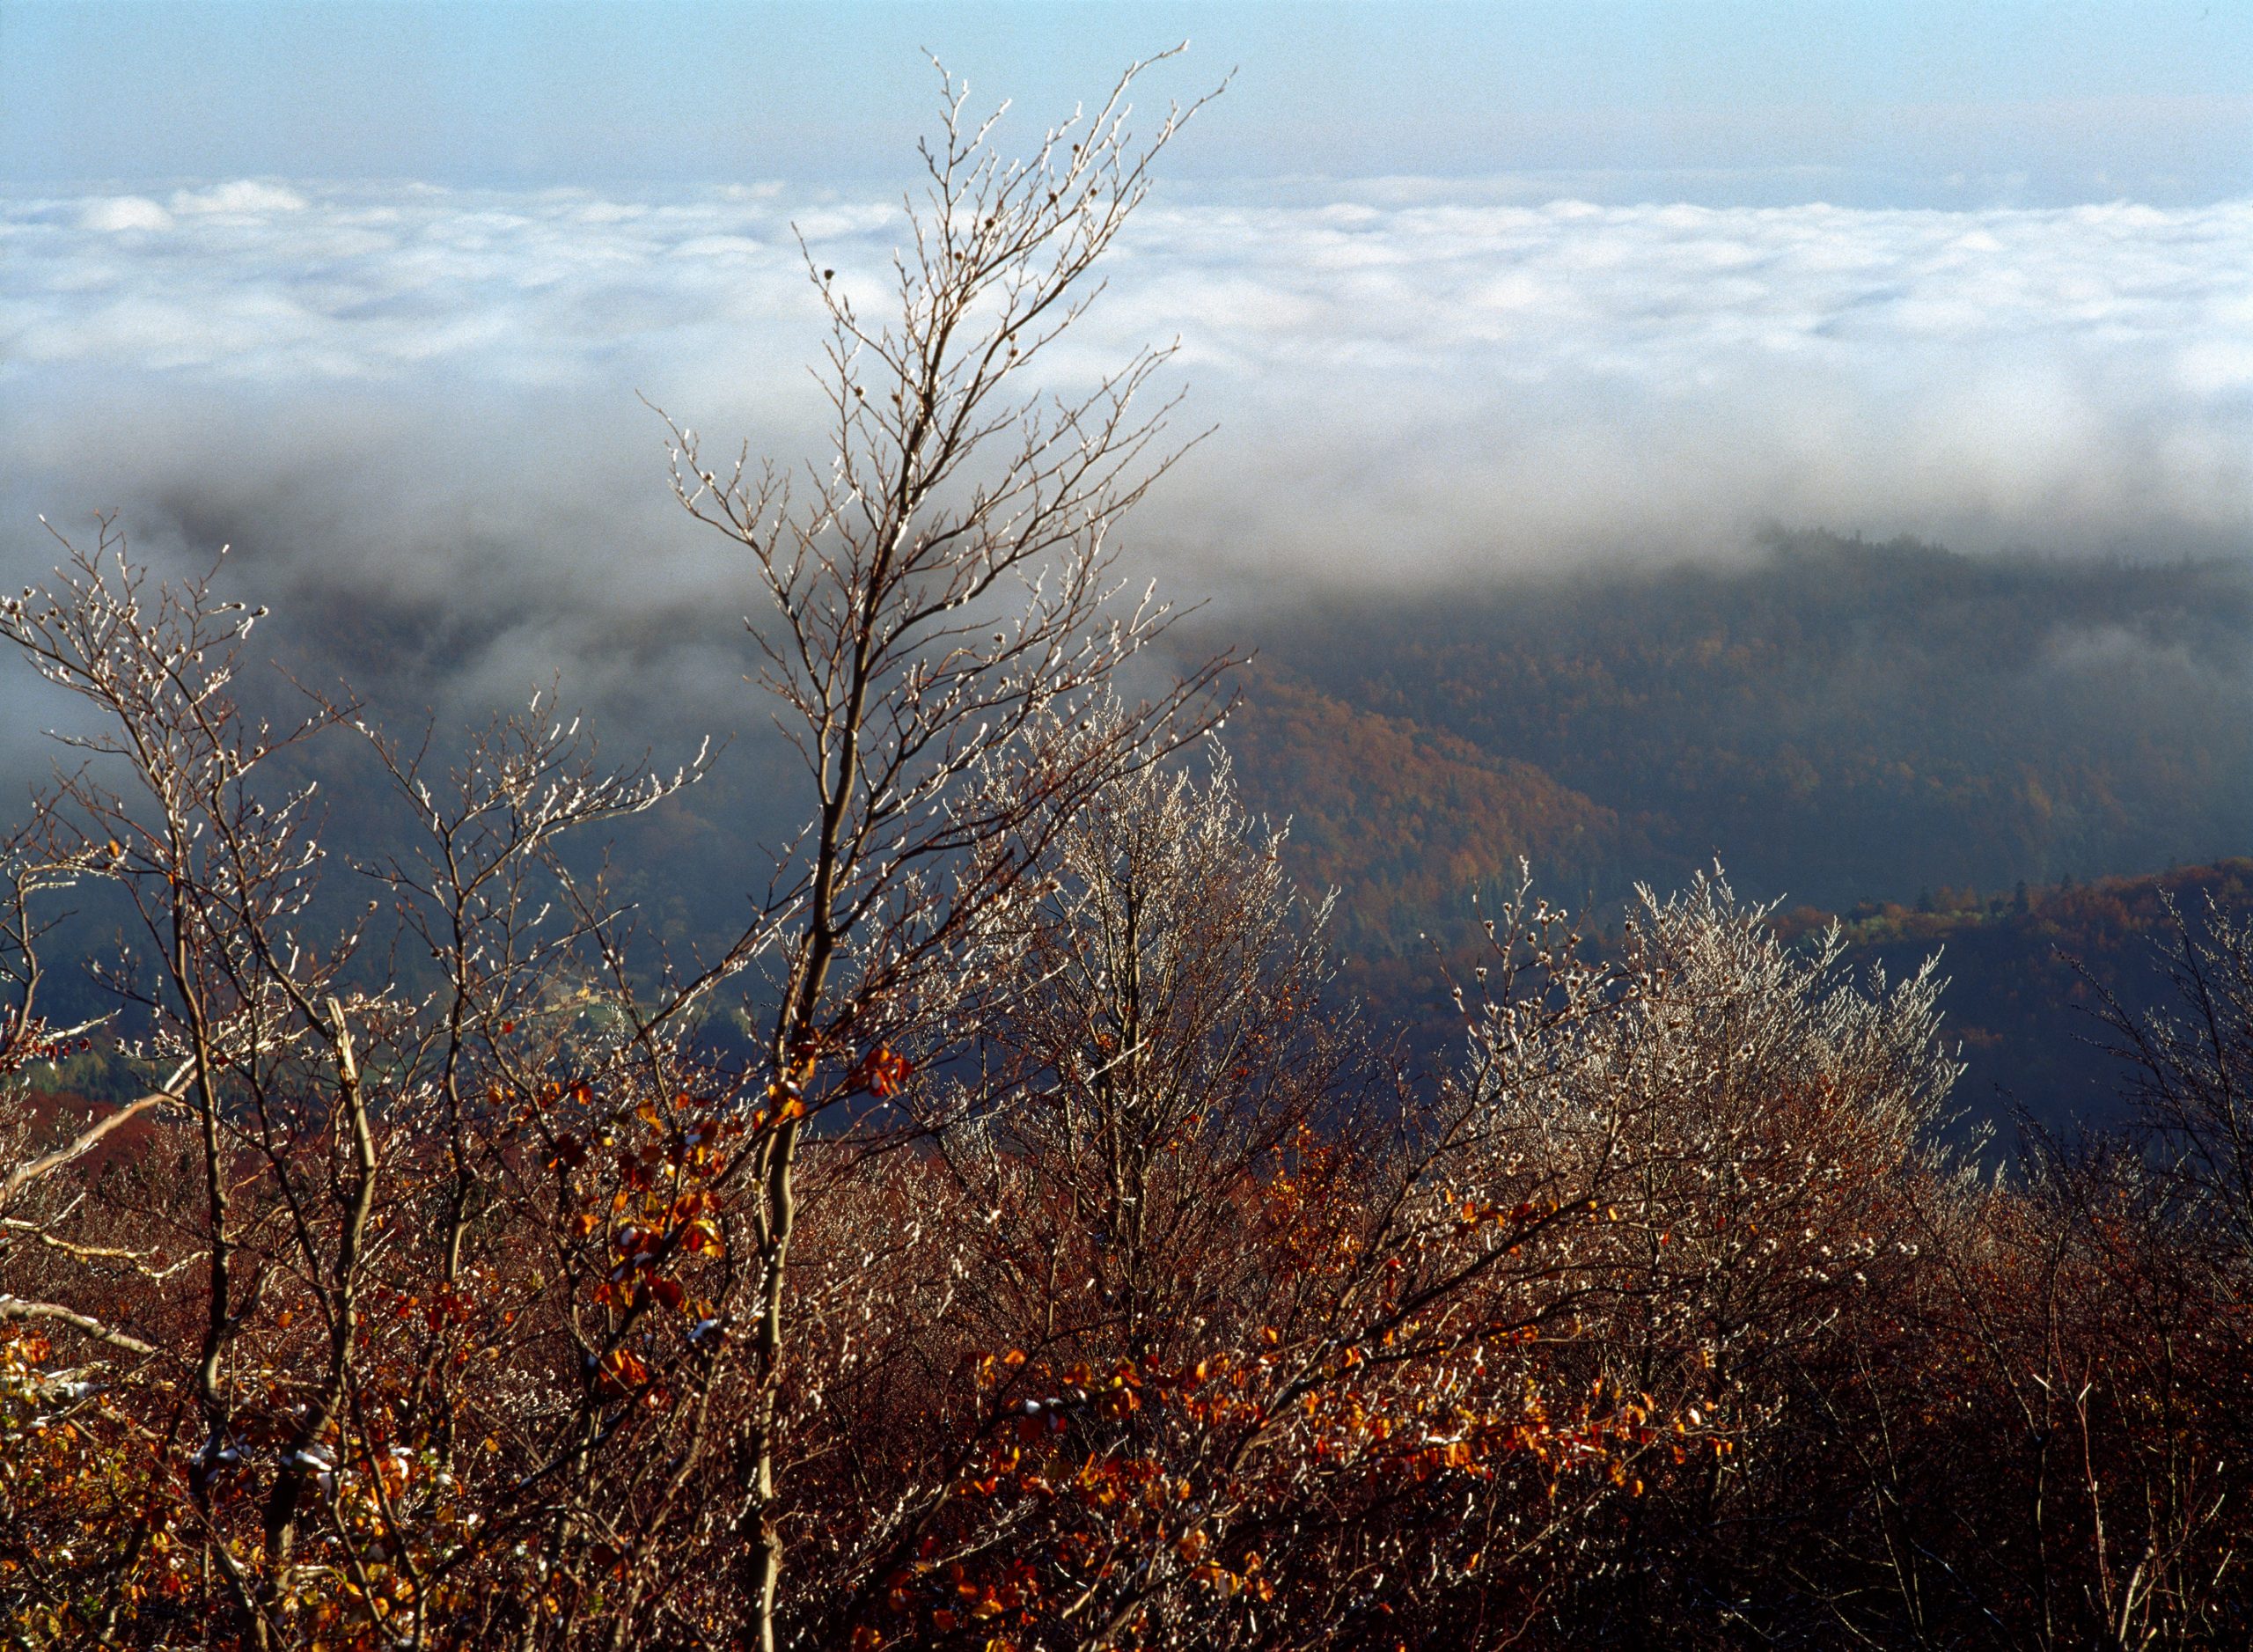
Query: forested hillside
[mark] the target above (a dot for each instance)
(1407, 822)
(2028, 975)
(1836, 720)
(1931, 746)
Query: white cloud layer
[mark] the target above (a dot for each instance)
(433, 389)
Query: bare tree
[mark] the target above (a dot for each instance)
(310, 1088)
(937, 592)
(32, 1214)
(2191, 1067)
(217, 880)
(1170, 1046)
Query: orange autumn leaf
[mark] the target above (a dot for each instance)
(880, 1073)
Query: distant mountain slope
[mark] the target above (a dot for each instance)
(1851, 725)
(1407, 823)
(1832, 719)
(2025, 1014)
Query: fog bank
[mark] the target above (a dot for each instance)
(414, 408)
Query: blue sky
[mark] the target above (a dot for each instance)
(1871, 102)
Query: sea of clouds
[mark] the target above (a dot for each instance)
(418, 407)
